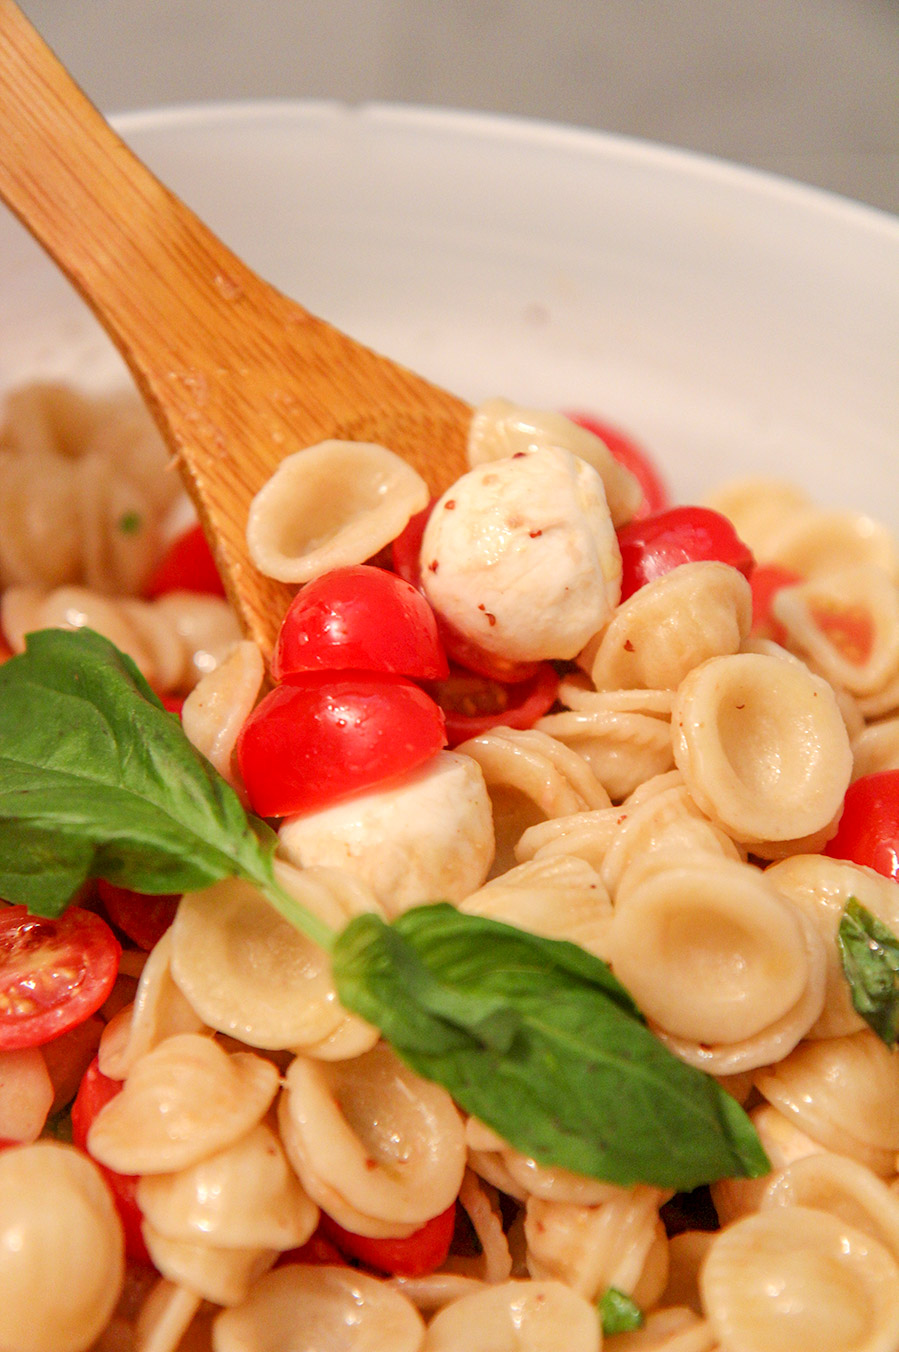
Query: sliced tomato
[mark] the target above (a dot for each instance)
(632, 456)
(174, 703)
(473, 704)
(362, 619)
(325, 736)
(652, 547)
(459, 649)
(415, 1256)
(869, 827)
(144, 919)
(850, 628)
(187, 565)
(766, 580)
(95, 1091)
(53, 973)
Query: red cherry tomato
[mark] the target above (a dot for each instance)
(415, 1256)
(317, 1250)
(628, 453)
(766, 580)
(322, 737)
(406, 553)
(53, 973)
(473, 704)
(174, 703)
(95, 1091)
(869, 827)
(652, 547)
(187, 565)
(360, 619)
(144, 919)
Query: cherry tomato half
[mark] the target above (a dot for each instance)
(95, 1091)
(53, 973)
(766, 580)
(325, 736)
(362, 619)
(473, 704)
(869, 827)
(628, 453)
(652, 547)
(415, 1256)
(144, 919)
(406, 553)
(187, 565)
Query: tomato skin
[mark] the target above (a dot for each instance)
(766, 580)
(362, 619)
(325, 736)
(415, 1256)
(473, 704)
(632, 456)
(187, 565)
(143, 918)
(652, 547)
(868, 832)
(406, 554)
(95, 1091)
(53, 973)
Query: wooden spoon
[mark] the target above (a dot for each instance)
(236, 375)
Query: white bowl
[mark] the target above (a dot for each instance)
(735, 322)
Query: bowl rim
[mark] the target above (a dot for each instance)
(704, 168)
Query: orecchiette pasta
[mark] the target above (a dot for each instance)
(762, 747)
(333, 504)
(667, 815)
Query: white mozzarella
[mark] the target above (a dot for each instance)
(430, 838)
(521, 555)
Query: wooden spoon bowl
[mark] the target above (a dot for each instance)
(236, 375)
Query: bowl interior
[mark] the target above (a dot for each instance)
(736, 323)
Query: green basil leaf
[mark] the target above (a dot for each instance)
(869, 952)
(619, 1314)
(98, 780)
(538, 1040)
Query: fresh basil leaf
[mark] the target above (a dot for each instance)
(869, 952)
(537, 1039)
(98, 780)
(619, 1314)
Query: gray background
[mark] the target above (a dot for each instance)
(806, 88)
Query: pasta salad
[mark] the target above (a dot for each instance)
(510, 962)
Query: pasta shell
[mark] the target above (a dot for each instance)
(674, 1329)
(224, 1276)
(843, 1188)
(59, 1281)
(26, 1093)
(593, 1248)
(846, 624)
(245, 1196)
(248, 972)
(219, 705)
(400, 1165)
(793, 1279)
(183, 1101)
(876, 748)
(622, 749)
(669, 626)
(331, 505)
(762, 747)
(312, 1308)
(820, 887)
(842, 1092)
(527, 1316)
(561, 898)
(530, 777)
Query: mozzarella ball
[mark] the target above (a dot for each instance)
(429, 839)
(521, 556)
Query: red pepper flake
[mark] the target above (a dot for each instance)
(535, 534)
(433, 566)
(628, 646)
(519, 455)
(491, 619)
(449, 505)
